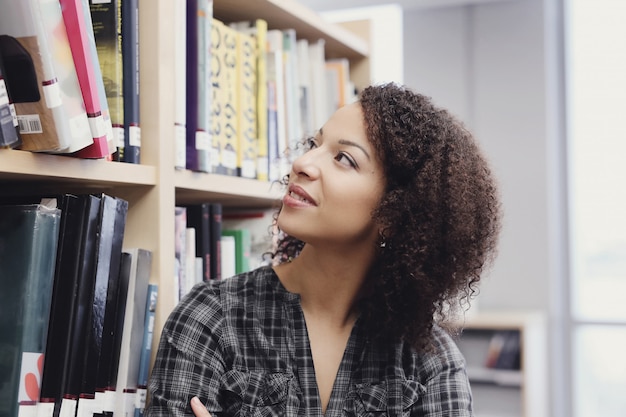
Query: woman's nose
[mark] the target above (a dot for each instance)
(307, 164)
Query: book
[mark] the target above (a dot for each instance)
(229, 133)
(132, 334)
(110, 231)
(146, 349)
(82, 43)
(130, 80)
(180, 78)
(317, 64)
(198, 217)
(28, 246)
(215, 232)
(243, 245)
(305, 86)
(180, 228)
(106, 20)
(198, 139)
(110, 345)
(81, 300)
(9, 134)
(292, 93)
(247, 137)
(277, 123)
(41, 77)
(228, 261)
(258, 30)
(65, 287)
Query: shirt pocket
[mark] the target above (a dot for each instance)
(254, 393)
(395, 397)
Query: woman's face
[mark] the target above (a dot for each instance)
(335, 185)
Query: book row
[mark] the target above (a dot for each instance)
(247, 95)
(76, 308)
(210, 244)
(69, 78)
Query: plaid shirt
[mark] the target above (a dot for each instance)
(241, 346)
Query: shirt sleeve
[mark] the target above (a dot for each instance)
(448, 392)
(189, 361)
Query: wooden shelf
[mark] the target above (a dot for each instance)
(18, 167)
(285, 14)
(196, 187)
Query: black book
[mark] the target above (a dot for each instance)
(100, 279)
(199, 217)
(81, 313)
(216, 240)
(109, 324)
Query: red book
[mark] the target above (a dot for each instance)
(82, 43)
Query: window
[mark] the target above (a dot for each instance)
(596, 102)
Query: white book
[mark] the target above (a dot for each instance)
(134, 319)
(228, 257)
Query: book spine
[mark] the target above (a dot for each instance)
(262, 100)
(107, 29)
(130, 78)
(247, 116)
(79, 41)
(9, 135)
(229, 135)
(180, 78)
(146, 351)
(216, 241)
(198, 217)
(49, 19)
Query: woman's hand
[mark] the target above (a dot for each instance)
(198, 408)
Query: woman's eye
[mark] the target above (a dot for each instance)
(310, 144)
(346, 160)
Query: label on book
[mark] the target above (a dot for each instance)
(29, 124)
(13, 114)
(248, 169)
(27, 409)
(101, 1)
(85, 406)
(97, 126)
(229, 157)
(118, 132)
(140, 399)
(52, 94)
(68, 407)
(45, 409)
(4, 95)
(203, 140)
(108, 402)
(134, 135)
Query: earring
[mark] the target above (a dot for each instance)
(382, 243)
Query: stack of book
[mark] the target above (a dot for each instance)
(69, 78)
(76, 308)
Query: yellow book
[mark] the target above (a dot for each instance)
(247, 116)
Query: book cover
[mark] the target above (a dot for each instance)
(180, 78)
(216, 239)
(9, 134)
(229, 94)
(305, 95)
(146, 349)
(317, 62)
(258, 30)
(28, 246)
(218, 95)
(247, 145)
(228, 261)
(41, 79)
(49, 17)
(292, 92)
(109, 349)
(80, 310)
(130, 80)
(66, 283)
(106, 20)
(199, 217)
(243, 244)
(180, 228)
(106, 231)
(198, 139)
(132, 333)
(79, 28)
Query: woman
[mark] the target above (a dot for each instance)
(387, 222)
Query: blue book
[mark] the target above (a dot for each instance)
(146, 349)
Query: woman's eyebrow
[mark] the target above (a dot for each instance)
(347, 142)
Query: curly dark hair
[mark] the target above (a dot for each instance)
(440, 214)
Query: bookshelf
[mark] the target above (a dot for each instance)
(153, 188)
(517, 392)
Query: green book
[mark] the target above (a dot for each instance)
(242, 248)
(28, 246)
